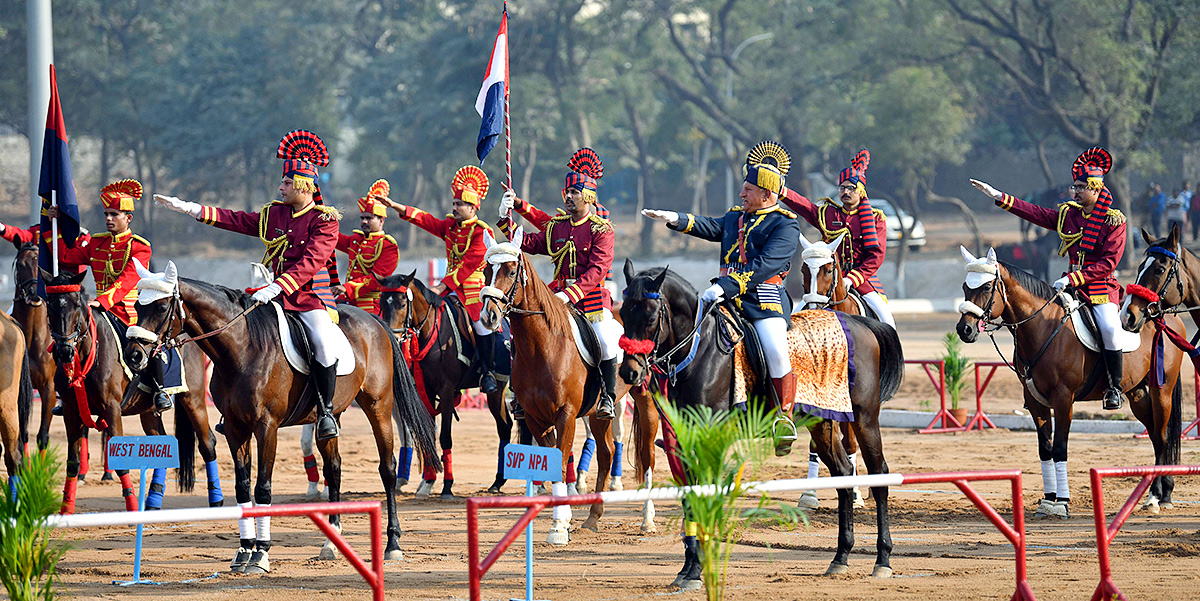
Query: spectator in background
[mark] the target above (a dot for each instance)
(1177, 207)
(1157, 206)
(1193, 209)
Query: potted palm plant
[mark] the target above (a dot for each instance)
(956, 366)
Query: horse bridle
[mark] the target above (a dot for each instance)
(663, 312)
(35, 300)
(1154, 309)
(82, 329)
(519, 279)
(833, 282)
(175, 311)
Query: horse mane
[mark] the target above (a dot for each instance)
(556, 312)
(435, 300)
(1027, 281)
(260, 323)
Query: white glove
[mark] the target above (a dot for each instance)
(1060, 283)
(667, 217)
(177, 205)
(562, 296)
(265, 295)
(712, 294)
(507, 201)
(848, 283)
(986, 189)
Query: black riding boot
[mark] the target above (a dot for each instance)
(325, 379)
(1113, 397)
(485, 351)
(154, 373)
(608, 394)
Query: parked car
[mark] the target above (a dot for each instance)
(894, 223)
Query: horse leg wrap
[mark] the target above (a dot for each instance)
(447, 467)
(246, 528)
(13, 484)
(561, 512)
(83, 458)
(404, 469)
(1060, 473)
(68, 502)
(1049, 480)
(131, 500)
(215, 496)
(263, 526)
(585, 456)
(429, 474)
(310, 468)
(500, 459)
(571, 468)
(618, 459)
(154, 498)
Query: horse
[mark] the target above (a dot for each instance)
(438, 335)
(257, 392)
(16, 397)
(96, 380)
(661, 311)
(30, 312)
(1057, 370)
(549, 376)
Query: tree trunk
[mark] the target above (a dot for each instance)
(530, 163)
(965, 211)
(698, 196)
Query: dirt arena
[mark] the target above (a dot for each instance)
(944, 548)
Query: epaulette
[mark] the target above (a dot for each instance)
(561, 216)
(329, 213)
(825, 200)
(737, 209)
(141, 239)
(878, 214)
(1114, 217)
(359, 232)
(102, 235)
(786, 213)
(599, 224)
(389, 238)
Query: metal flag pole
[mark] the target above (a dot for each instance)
(54, 234)
(507, 132)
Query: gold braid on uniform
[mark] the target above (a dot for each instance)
(565, 253)
(110, 274)
(328, 213)
(1114, 217)
(599, 225)
(1067, 240)
(275, 246)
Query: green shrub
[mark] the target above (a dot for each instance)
(28, 555)
(957, 366)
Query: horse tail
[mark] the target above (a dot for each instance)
(24, 402)
(891, 355)
(1174, 426)
(185, 433)
(407, 401)
(638, 463)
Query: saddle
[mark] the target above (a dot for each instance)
(1088, 332)
(864, 309)
(588, 345)
(298, 350)
(740, 337)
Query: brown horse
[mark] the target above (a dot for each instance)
(257, 392)
(16, 396)
(422, 320)
(30, 311)
(1056, 369)
(84, 343)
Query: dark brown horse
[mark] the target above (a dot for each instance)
(1056, 370)
(661, 307)
(16, 397)
(439, 333)
(86, 346)
(257, 392)
(30, 311)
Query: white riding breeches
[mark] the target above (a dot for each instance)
(880, 307)
(479, 328)
(609, 332)
(327, 340)
(1109, 322)
(772, 335)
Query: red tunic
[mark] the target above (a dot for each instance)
(1091, 272)
(299, 246)
(859, 262)
(582, 253)
(20, 237)
(465, 247)
(109, 256)
(373, 255)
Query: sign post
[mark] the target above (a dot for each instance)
(141, 453)
(530, 463)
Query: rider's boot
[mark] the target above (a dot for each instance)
(784, 430)
(485, 352)
(325, 379)
(1113, 397)
(162, 400)
(608, 377)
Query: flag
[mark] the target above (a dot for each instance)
(56, 177)
(492, 95)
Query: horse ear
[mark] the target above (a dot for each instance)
(837, 241)
(77, 278)
(991, 256)
(172, 274)
(142, 272)
(804, 243)
(970, 258)
(518, 236)
(1173, 238)
(46, 275)
(1146, 236)
(409, 278)
(662, 277)
(629, 272)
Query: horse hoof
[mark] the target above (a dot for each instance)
(809, 501)
(837, 568)
(881, 572)
(238, 565)
(220, 503)
(424, 489)
(1167, 505)
(107, 477)
(1044, 509)
(616, 484)
(1151, 506)
(259, 564)
(81, 478)
(590, 524)
(494, 490)
(393, 554)
(328, 552)
(558, 536)
(1060, 510)
(691, 585)
(649, 528)
(581, 485)
(572, 489)
(313, 493)
(446, 496)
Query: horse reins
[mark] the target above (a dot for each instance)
(177, 341)
(75, 372)
(991, 327)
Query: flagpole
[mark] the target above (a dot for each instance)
(507, 132)
(54, 233)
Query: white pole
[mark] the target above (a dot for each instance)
(54, 234)
(39, 44)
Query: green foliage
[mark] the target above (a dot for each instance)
(957, 367)
(28, 554)
(720, 450)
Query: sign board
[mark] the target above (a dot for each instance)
(142, 452)
(526, 462)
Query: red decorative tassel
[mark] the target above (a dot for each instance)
(1142, 292)
(636, 347)
(447, 466)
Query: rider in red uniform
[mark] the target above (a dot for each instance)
(373, 253)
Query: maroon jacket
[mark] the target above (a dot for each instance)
(582, 253)
(859, 261)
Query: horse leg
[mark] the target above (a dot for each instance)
(239, 447)
(645, 430)
(618, 436)
(428, 475)
(307, 434)
(46, 391)
(331, 461)
(112, 414)
(152, 425)
(381, 427)
(83, 455)
(563, 437)
(1062, 431)
(404, 467)
(1045, 441)
(265, 435)
(829, 447)
(504, 426)
(867, 434)
(851, 445)
(208, 449)
(108, 474)
(604, 452)
(446, 438)
(809, 499)
(585, 460)
(74, 441)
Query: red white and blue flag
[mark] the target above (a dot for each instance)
(56, 178)
(493, 94)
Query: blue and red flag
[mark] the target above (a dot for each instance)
(493, 94)
(56, 179)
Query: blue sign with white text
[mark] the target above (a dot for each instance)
(526, 462)
(142, 452)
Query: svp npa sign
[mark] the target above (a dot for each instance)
(142, 452)
(526, 462)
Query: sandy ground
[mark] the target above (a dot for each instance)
(944, 548)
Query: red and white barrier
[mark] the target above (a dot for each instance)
(1015, 533)
(1105, 533)
(1195, 425)
(318, 512)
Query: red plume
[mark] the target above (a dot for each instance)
(587, 162)
(303, 145)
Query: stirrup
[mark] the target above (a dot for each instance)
(1113, 399)
(326, 427)
(517, 411)
(784, 441)
(487, 383)
(606, 411)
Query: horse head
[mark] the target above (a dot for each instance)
(646, 318)
(25, 273)
(505, 275)
(159, 311)
(821, 274)
(1161, 281)
(395, 301)
(983, 297)
(66, 312)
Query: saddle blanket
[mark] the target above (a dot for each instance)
(345, 365)
(174, 378)
(1127, 341)
(822, 357)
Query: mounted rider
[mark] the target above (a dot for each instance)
(373, 253)
(758, 240)
(580, 243)
(300, 233)
(464, 234)
(1092, 238)
(862, 251)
